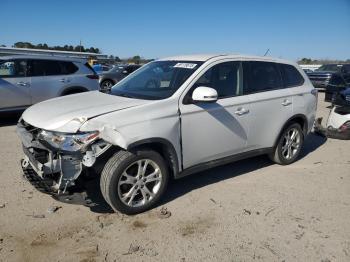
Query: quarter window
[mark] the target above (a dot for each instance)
(291, 76)
(261, 76)
(224, 78)
(68, 67)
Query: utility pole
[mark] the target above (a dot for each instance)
(80, 46)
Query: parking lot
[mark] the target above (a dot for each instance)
(248, 210)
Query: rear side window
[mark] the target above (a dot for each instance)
(45, 68)
(52, 67)
(291, 76)
(261, 76)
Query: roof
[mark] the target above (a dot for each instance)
(46, 57)
(15, 50)
(206, 57)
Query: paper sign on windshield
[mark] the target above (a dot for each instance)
(185, 65)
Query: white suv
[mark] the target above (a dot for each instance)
(170, 118)
(26, 80)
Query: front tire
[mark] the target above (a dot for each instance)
(132, 183)
(289, 145)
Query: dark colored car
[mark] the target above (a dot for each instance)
(322, 76)
(113, 76)
(336, 83)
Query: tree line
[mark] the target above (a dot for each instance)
(309, 61)
(77, 48)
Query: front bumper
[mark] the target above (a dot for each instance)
(331, 132)
(50, 170)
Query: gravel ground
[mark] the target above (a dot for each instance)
(245, 211)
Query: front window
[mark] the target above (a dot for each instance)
(330, 68)
(13, 68)
(156, 80)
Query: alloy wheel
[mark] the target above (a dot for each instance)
(291, 143)
(139, 183)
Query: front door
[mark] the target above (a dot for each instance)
(212, 131)
(14, 84)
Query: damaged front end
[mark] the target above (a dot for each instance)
(338, 124)
(53, 161)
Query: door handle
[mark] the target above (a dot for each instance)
(21, 83)
(63, 80)
(241, 111)
(286, 102)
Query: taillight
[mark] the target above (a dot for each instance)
(345, 126)
(314, 92)
(92, 76)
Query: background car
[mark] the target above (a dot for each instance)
(321, 77)
(26, 80)
(336, 84)
(113, 76)
(98, 68)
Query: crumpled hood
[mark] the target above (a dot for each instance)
(68, 113)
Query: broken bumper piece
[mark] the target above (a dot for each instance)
(52, 170)
(330, 132)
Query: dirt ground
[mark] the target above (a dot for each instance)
(245, 211)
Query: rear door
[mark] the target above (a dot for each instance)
(14, 84)
(303, 92)
(212, 131)
(47, 79)
(271, 103)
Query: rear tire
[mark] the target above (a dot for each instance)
(289, 145)
(106, 86)
(132, 183)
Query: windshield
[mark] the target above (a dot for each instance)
(156, 80)
(332, 68)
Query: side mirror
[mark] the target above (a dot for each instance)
(204, 94)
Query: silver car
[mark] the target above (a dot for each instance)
(114, 75)
(171, 118)
(26, 80)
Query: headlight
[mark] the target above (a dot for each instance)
(68, 142)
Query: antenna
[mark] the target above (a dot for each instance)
(267, 51)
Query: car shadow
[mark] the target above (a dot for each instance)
(9, 119)
(181, 187)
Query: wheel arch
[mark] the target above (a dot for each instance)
(164, 147)
(73, 89)
(299, 119)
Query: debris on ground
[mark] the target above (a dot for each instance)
(2, 205)
(89, 249)
(269, 211)
(164, 213)
(36, 216)
(53, 209)
(132, 249)
(246, 211)
(212, 200)
(319, 162)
